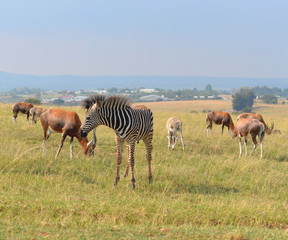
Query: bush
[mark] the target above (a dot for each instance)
(247, 110)
(33, 101)
(58, 101)
(270, 99)
(243, 99)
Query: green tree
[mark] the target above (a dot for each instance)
(112, 90)
(243, 99)
(58, 101)
(208, 89)
(33, 101)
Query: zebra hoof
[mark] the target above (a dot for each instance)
(116, 181)
(150, 179)
(133, 183)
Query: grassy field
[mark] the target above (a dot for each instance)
(206, 192)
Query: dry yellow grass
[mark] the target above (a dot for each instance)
(188, 106)
(204, 192)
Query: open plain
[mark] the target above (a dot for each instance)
(205, 192)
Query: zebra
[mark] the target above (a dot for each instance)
(130, 124)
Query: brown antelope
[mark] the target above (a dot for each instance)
(68, 123)
(219, 118)
(252, 127)
(275, 131)
(21, 107)
(259, 118)
(35, 112)
(173, 125)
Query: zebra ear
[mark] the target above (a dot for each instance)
(94, 106)
(97, 105)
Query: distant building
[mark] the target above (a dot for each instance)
(154, 98)
(146, 90)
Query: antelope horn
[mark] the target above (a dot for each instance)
(94, 137)
(89, 143)
(94, 141)
(272, 125)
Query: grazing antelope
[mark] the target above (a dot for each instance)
(21, 107)
(259, 118)
(35, 112)
(68, 123)
(130, 125)
(219, 118)
(275, 131)
(173, 125)
(252, 127)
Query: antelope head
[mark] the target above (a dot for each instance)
(92, 144)
(270, 129)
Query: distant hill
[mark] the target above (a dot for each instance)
(9, 81)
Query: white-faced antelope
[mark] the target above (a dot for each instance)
(21, 107)
(259, 118)
(275, 131)
(252, 127)
(68, 123)
(35, 112)
(173, 125)
(219, 118)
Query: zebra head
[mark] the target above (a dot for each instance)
(93, 114)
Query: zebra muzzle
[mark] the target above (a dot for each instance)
(83, 134)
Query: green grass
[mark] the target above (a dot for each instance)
(206, 192)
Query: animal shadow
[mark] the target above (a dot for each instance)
(204, 189)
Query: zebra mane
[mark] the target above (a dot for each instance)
(119, 100)
(90, 101)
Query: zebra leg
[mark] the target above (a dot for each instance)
(131, 161)
(71, 148)
(128, 165)
(119, 144)
(148, 145)
(64, 135)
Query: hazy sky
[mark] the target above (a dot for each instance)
(247, 38)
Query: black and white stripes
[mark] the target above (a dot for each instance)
(130, 124)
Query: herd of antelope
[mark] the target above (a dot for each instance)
(131, 125)
(56, 120)
(247, 124)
